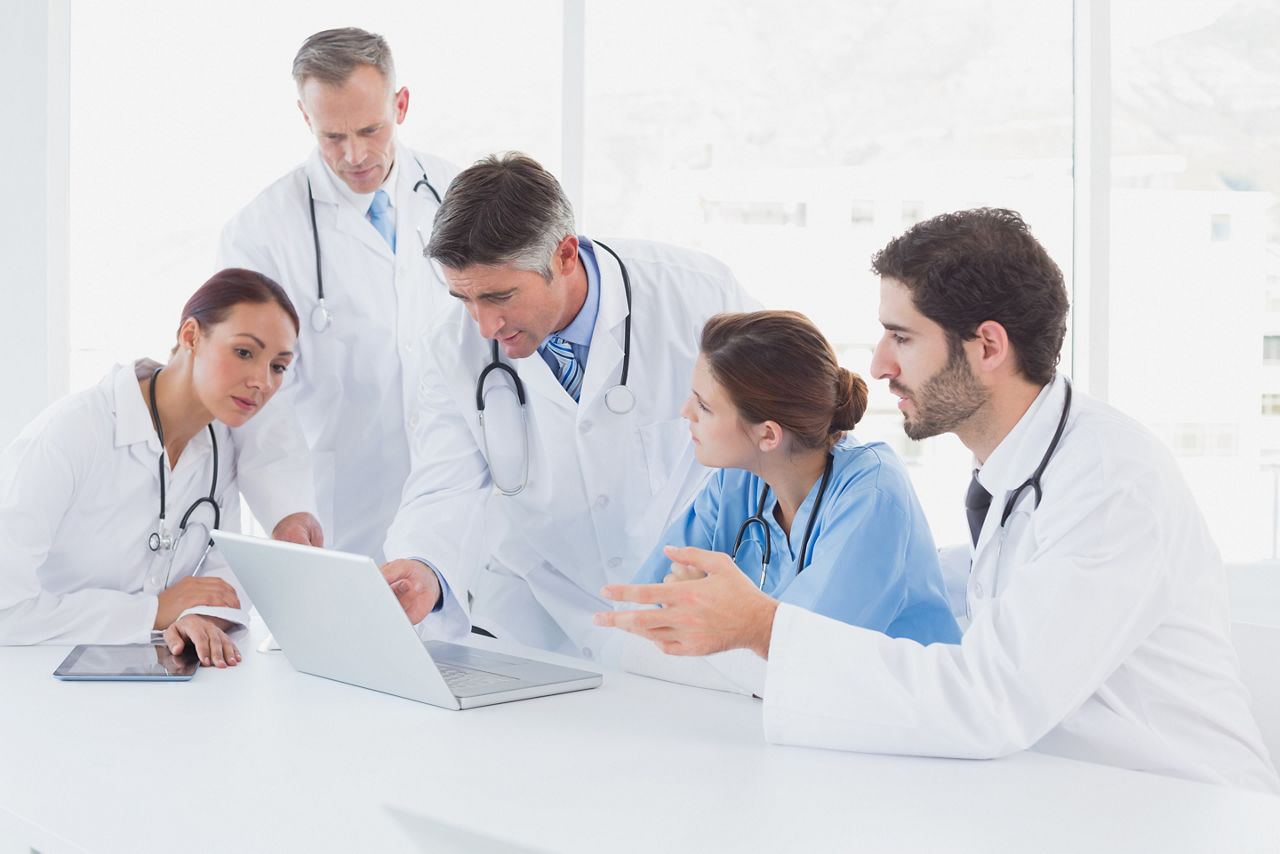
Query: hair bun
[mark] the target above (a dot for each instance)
(851, 401)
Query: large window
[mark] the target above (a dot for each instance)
(793, 142)
(1195, 250)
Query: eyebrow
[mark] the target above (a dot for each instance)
(894, 327)
(260, 343)
(491, 295)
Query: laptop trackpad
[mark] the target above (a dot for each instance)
(526, 671)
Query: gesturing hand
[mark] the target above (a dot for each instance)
(708, 606)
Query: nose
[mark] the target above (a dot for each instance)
(489, 321)
(353, 150)
(883, 365)
(687, 409)
(261, 379)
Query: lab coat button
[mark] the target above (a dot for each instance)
(977, 590)
(586, 652)
(413, 422)
(602, 501)
(585, 427)
(615, 562)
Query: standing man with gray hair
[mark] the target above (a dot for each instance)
(553, 390)
(344, 234)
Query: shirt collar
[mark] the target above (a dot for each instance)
(133, 417)
(1016, 457)
(132, 412)
(360, 201)
(584, 322)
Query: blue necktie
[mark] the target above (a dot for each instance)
(380, 217)
(570, 373)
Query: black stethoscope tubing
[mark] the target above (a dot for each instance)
(158, 539)
(496, 363)
(758, 519)
(1033, 482)
(424, 181)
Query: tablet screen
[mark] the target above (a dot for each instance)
(132, 661)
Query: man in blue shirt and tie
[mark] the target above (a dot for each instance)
(550, 453)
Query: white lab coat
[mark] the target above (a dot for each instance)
(348, 386)
(79, 497)
(602, 487)
(1100, 627)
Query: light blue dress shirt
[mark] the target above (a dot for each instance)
(578, 332)
(871, 560)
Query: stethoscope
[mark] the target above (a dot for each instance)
(758, 519)
(161, 538)
(1033, 482)
(619, 399)
(321, 317)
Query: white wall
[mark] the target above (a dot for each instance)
(33, 218)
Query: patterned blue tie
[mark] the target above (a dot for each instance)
(570, 374)
(381, 219)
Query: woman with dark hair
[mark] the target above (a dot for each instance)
(108, 496)
(813, 516)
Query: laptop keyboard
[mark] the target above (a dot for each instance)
(466, 679)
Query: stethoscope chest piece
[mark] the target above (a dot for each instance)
(321, 319)
(620, 400)
(156, 540)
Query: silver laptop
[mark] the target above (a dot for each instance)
(335, 616)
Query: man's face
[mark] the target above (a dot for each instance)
(354, 124)
(517, 308)
(936, 387)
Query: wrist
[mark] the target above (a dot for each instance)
(439, 582)
(763, 626)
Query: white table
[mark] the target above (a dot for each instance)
(261, 758)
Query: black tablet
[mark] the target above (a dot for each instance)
(139, 662)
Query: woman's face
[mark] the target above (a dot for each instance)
(720, 437)
(239, 364)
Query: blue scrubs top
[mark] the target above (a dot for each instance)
(871, 560)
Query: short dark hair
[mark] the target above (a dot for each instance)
(777, 366)
(226, 289)
(968, 267)
(506, 209)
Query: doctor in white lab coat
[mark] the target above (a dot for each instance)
(1099, 620)
(108, 496)
(373, 201)
(597, 485)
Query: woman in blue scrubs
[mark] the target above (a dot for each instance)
(814, 516)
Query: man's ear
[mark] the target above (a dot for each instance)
(993, 350)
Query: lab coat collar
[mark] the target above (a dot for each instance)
(134, 428)
(607, 338)
(133, 418)
(351, 209)
(1016, 457)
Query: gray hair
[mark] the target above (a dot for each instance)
(504, 210)
(331, 55)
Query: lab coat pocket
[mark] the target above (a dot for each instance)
(664, 443)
